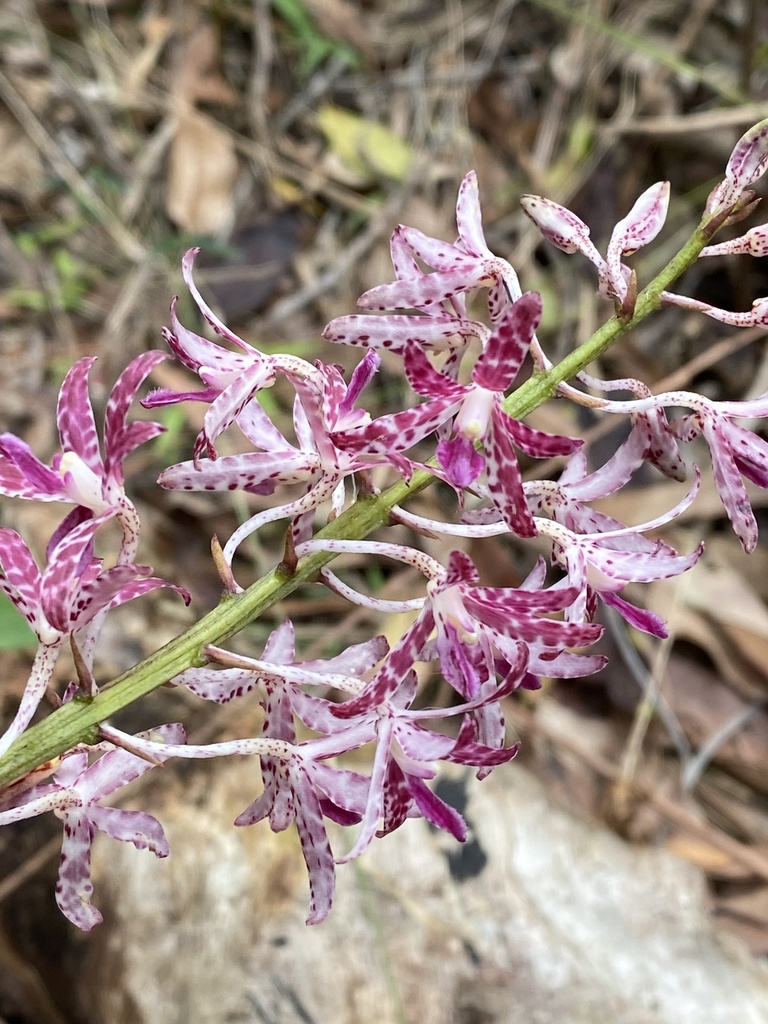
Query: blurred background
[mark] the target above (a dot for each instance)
(618, 869)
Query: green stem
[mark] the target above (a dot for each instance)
(78, 721)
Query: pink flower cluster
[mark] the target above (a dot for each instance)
(486, 642)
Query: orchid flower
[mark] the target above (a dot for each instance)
(603, 563)
(75, 796)
(396, 789)
(736, 452)
(80, 474)
(335, 442)
(231, 378)
(473, 624)
(70, 593)
(458, 268)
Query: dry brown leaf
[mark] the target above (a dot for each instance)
(721, 613)
(202, 171)
(704, 707)
(202, 163)
(197, 78)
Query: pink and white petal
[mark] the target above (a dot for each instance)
(469, 218)
(70, 769)
(467, 750)
(461, 569)
(515, 601)
(403, 260)
(227, 406)
(421, 744)
(74, 887)
(641, 618)
(259, 809)
(396, 432)
(196, 352)
(136, 827)
(74, 415)
(620, 567)
(115, 587)
(187, 266)
(730, 487)
(355, 661)
(219, 685)
(564, 664)
(749, 158)
(395, 670)
(396, 331)
(426, 380)
(255, 472)
(504, 479)
(397, 800)
(164, 396)
(259, 428)
(13, 483)
(612, 475)
(68, 563)
(561, 227)
(435, 253)
(345, 789)
(426, 292)
(507, 347)
(278, 714)
(280, 647)
(119, 438)
(23, 475)
(22, 577)
(375, 803)
(133, 435)
(536, 443)
(435, 810)
(749, 451)
(118, 767)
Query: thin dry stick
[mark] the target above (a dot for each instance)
(646, 708)
(128, 244)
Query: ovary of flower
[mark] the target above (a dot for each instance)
(83, 486)
(475, 413)
(448, 609)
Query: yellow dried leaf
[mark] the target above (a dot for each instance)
(365, 149)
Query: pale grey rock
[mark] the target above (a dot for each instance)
(540, 919)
